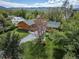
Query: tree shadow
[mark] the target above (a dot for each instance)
(58, 53)
(20, 30)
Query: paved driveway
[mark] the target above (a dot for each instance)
(30, 37)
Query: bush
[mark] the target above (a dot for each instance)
(58, 53)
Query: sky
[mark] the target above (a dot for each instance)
(28, 1)
(35, 3)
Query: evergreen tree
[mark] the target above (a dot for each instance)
(11, 47)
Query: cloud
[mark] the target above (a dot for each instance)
(10, 4)
(58, 1)
(50, 3)
(54, 1)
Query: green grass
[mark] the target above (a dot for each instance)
(21, 33)
(27, 53)
(30, 46)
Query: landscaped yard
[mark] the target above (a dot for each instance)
(21, 33)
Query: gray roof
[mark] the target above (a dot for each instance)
(52, 24)
(29, 22)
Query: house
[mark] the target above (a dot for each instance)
(16, 20)
(50, 24)
(30, 22)
(22, 25)
(26, 26)
(30, 25)
(33, 28)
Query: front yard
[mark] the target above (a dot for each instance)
(21, 33)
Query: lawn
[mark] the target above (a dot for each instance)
(21, 33)
(27, 50)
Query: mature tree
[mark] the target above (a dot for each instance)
(11, 46)
(38, 51)
(3, 21)
(67, 9)
(41, 26)
(5, 14)
(55, 14)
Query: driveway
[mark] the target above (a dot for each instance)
(30, 37)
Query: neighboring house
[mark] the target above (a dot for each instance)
(16, 20)
(22, 25)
